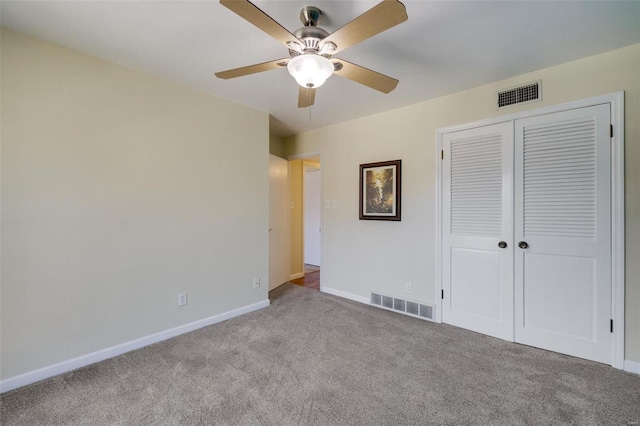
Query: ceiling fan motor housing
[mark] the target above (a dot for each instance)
(311, 37)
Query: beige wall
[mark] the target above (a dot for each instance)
(360, 256)
(120, 190)
(276, 146)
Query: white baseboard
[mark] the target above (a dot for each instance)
(84, 360)
(101, 355)
(296, 276)
(631, 366)
(345, 295)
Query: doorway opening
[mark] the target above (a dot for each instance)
(305, 175)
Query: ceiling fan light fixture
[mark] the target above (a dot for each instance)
(310, 70)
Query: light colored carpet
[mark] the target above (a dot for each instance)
(314, 359)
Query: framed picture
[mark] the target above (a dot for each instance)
(380, 190)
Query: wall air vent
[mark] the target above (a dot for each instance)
(413, 308)
(399, 305)
(376, 299)
(406, 307)
(387, 302)
(426, 311)
(530, 92)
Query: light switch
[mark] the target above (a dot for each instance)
(327, 204)
(334, 203)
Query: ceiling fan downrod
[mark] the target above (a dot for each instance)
(310, 16)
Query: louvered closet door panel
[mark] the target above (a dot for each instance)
(478, 204)
(476, 185)
(562, 211)
(560, 179)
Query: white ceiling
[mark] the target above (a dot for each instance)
(444, 47)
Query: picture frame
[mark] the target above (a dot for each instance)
(380, 190)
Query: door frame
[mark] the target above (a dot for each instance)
(616, 100)
(305, 156)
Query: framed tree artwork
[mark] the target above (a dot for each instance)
(380, 190)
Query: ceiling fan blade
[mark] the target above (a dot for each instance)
(362, 75)
(306, 97)
(252, 69)
(250, 12)
(379, 18)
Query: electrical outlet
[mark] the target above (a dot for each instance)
(256, 283)
(407, 287)
(182, 299)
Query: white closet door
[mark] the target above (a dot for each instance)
(562, 213)
(477, 217)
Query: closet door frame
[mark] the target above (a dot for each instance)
(616, 102)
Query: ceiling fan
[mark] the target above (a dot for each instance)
(311, 48)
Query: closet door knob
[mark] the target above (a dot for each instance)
(523, 245)
(502, 244)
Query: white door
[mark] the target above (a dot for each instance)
(278, 221)
(477, 230)
(563, 224)
(312, 217)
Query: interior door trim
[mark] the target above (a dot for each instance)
(616, 101)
